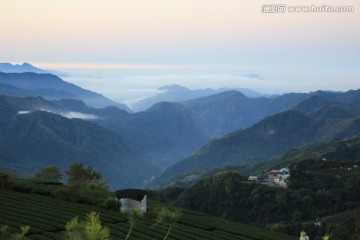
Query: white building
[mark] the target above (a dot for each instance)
(252, 178)
(132, 198)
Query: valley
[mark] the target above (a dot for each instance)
(193, 153)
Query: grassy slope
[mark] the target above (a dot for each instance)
(47, 218)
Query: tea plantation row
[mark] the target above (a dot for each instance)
(47, 217)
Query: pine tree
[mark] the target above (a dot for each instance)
(167, 217)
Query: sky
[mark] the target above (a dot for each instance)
(126, 49)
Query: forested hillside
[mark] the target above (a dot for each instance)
(319, 117)
(317, 189)
(30, 140)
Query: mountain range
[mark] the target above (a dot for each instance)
(50, 87)
(202, 143)
(47, 115)
(304, 124)
(161, 135)
(229, 111)
(20, 68)
(26, 67)
(166, 131)
(32, 139)
(177, 93)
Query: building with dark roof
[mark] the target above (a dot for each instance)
(132, 198)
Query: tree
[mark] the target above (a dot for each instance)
(6, 235)
(48, 174)
(78, 173)
(111, 203)
(168, 217)
(99, 184)
(339, 233)
(133, 216)
(93, 228)
(357, 225)
(6, 180)
(90, 229)
(73, 229)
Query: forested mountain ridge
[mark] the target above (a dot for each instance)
(229, 111)
(341, 150)
(166, 131)
(29, 140)
(222, 113)
(317, 190)
(322, 194)
(148, 140)
(323, 117)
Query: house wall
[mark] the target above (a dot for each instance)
(143, 204)
(127, 204)
(252, 178)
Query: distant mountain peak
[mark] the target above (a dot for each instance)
(20, 68)
(232, 93)
(174, 87)
(178, 93)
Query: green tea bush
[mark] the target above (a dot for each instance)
(72, 193)
(111, 203)
(22, 188)
(76, 192)
(41, 191)
(48, 217)
(61, 194)
(40, 237)
(152, 214)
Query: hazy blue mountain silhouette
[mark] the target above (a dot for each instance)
(32, 139)
(20, 68)
(52, 87)
(177, 93)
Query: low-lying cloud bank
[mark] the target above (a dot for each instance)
(67, 114)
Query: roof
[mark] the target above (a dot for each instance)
(135, 194)
(273, 172)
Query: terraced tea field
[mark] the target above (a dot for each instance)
(47, 217)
